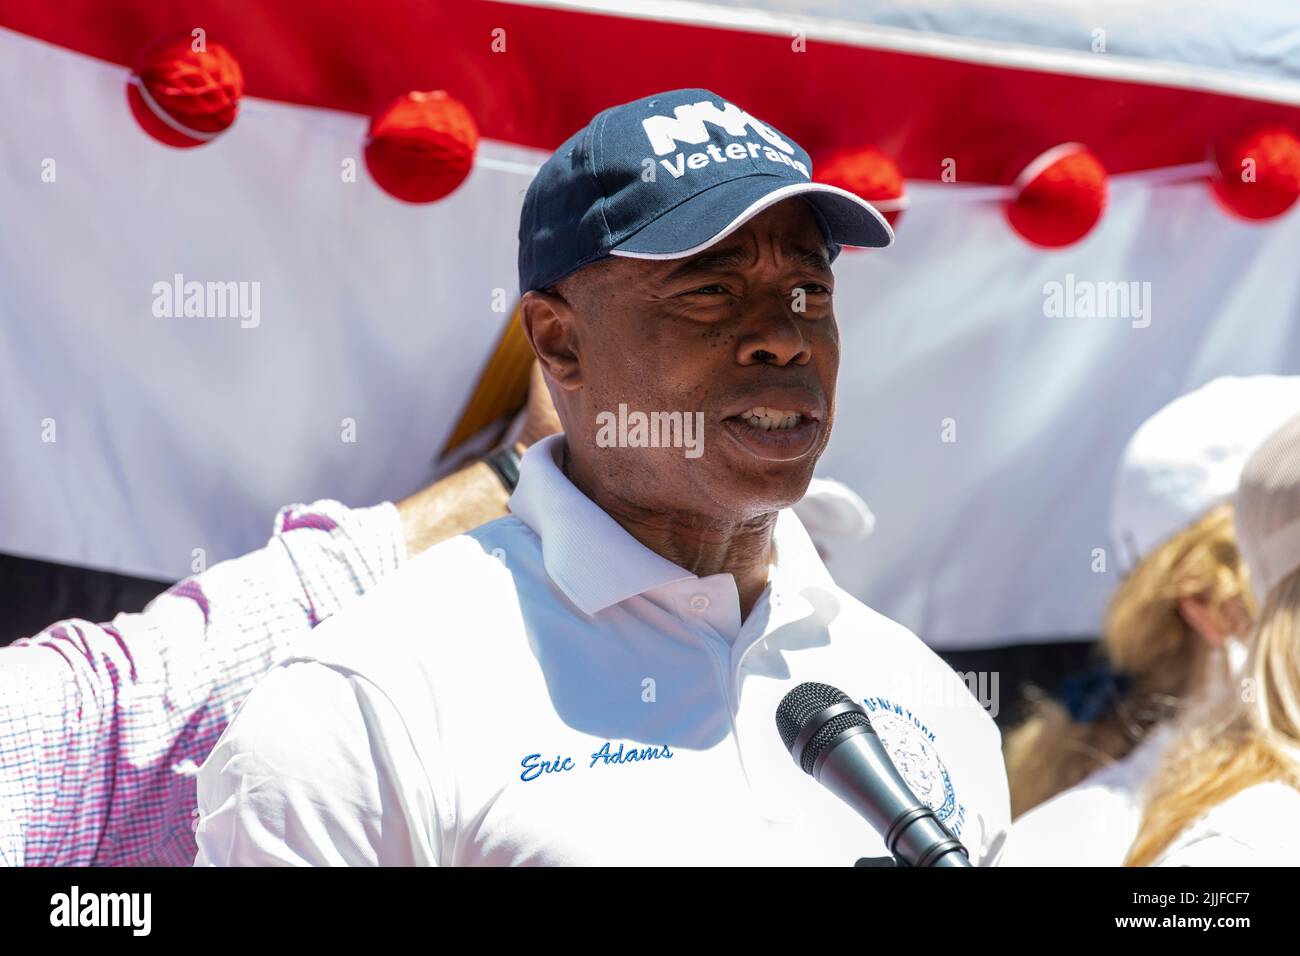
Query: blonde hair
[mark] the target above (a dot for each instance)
(1250, 735)
(1146, 638)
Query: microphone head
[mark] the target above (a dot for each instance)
(801, 707)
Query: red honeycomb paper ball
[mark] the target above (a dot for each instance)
(1058, 197)
(421, 146)
(185, 97)
(870, 174)
(1275, 155)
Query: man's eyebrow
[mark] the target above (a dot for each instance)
(713, 262)
(732, 258)
(817, 258)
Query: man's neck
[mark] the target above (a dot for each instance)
(702, 545)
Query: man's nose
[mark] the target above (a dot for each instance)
(777, 337)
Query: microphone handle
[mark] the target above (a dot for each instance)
(857, 769)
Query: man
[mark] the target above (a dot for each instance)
(594, 678)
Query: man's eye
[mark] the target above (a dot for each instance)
(714, 289)
(815, 287)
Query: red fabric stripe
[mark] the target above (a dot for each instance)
(561, 67)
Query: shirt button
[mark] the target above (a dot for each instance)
(699, 602)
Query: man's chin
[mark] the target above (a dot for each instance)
(776, 486)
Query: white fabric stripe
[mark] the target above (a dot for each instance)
(528, 170)
(363, 296)
(966, 49)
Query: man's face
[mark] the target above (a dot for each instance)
(743, 333)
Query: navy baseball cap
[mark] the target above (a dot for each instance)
(666, 176)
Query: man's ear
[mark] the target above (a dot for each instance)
(551, 327)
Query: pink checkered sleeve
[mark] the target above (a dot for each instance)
(103, 726)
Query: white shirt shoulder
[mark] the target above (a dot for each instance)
(1256, 827)
(283, 786)
(290, 782)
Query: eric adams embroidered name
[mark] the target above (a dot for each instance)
(534, 766)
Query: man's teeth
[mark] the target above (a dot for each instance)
(769, 419)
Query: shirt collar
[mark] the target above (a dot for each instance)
(597, 563)
(588, 554)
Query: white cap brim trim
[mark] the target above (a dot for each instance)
(767, 201)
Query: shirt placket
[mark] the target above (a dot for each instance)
(783, 607)
(708, 613)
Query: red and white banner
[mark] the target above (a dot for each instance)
(982, 407)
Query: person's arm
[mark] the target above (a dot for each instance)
(102, 726)
(451, 506)
(474, 495)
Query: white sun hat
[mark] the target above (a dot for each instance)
(1268, 509)
(1188, 457)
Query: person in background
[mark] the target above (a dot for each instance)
(1228, 792)
(1077, 767)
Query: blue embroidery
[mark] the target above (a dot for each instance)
(630, 756)
(534, 766)
(911, 745)
(534, 769)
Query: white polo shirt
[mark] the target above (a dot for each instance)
(547, 690)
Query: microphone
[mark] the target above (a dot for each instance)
(831, 738)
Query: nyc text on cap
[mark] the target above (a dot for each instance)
(666, 176)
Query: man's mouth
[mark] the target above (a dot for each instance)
(776, 432)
